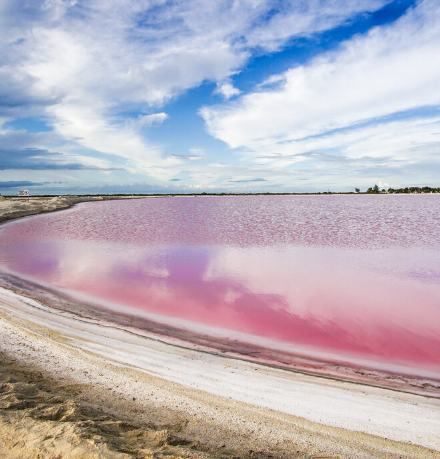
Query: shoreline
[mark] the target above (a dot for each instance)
(187, 403)
(12, 208)
(213, 342)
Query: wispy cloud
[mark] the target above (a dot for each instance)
(248, 180)
(390, 70)
(149, 120)
(21, 184)
(291, 18)
(38, 159)
(190, 157)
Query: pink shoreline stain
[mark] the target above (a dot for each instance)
(356, 276)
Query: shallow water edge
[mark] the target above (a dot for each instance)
(233, 349)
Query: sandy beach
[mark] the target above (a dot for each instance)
(77, 386)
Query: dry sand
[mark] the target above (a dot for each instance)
(11, 208)
(72, 387)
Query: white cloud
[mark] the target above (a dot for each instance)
(81, 62)
(148, 120)
(227, 90)
(148, 50)
(57, 8)
(391, 69)
(393, 139)
(304, 18)
(96, 133)
(395, 152)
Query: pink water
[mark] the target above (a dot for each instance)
(356, 276)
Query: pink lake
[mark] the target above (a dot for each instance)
(355, 277)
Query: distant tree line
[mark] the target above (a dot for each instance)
(408, 190)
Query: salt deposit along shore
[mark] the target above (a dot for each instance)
(73, 387)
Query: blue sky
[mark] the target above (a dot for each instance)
(121, 96)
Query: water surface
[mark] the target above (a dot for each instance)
(357, 277)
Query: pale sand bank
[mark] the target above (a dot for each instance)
(77, 388)
(11, 208)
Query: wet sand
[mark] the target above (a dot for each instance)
(76, 386)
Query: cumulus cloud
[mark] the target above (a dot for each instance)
(390, 70)
(227, 90)
(81, 62)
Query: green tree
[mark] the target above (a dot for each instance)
(374, 190)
